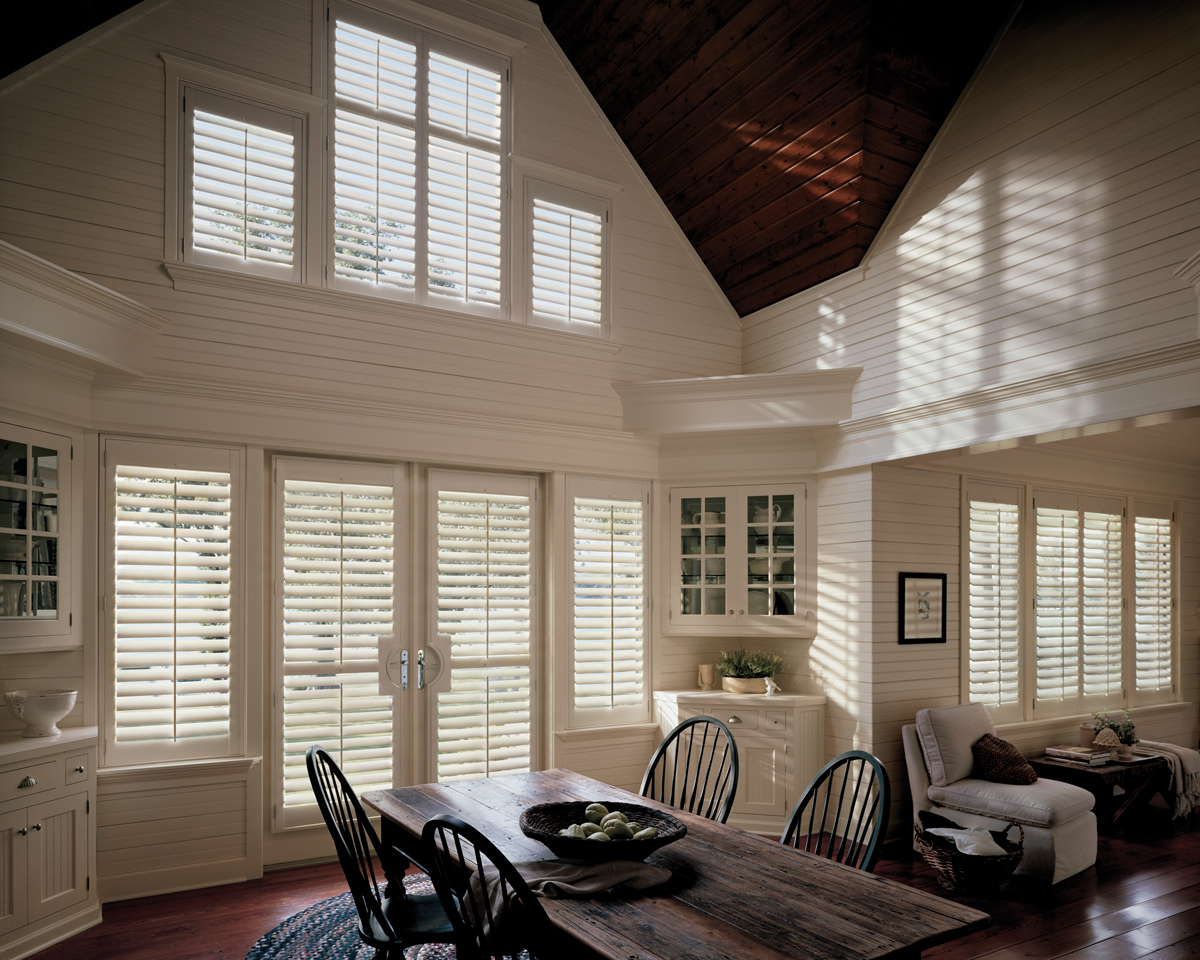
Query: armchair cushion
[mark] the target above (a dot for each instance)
(947, 735)
(1001, 762)
(1045, 803)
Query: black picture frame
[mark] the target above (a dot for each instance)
(922, 608)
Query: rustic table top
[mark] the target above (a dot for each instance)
(732, 894)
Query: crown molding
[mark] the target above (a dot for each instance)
(755, 401)
(59, 309)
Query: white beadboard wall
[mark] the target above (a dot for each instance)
(1038, 239)
(839, 661)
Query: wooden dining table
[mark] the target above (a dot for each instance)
(732, 895)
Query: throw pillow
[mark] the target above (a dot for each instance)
(1000, 762)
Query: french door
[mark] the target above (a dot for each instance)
(405, 626)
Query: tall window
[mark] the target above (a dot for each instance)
(420, 138)
(609, 520)
(1069, 601)
(567, 230)
(336, 536)
(243, 188)
(172, 609)
(484, 603)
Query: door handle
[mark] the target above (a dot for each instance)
(428, 657)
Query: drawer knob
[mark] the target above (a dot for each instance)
(22, 832)
(37, 826)
(81, 770)
(27, 782)
(735, 719)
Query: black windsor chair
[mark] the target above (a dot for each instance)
(388, 920)
(493, 910)
(843, 814)
(695, 769)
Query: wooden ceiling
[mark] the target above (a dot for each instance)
(779, 133)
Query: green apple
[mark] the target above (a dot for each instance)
(618, 830)
(595, 812)
(600, 835)
(649, 833)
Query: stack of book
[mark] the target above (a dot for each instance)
(1092, 756)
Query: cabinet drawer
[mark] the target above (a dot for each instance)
(43, 777)
(75, 768)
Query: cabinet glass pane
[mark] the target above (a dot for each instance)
(714, 541)
(13, 508)
(45, 468)
(690, 602)
(12, 598)
(714, 601)
(13, 461)
(12, 553)
(770, 549)
(689, 541)
(689, 508)
(45, 594)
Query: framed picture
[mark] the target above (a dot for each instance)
(922, 608)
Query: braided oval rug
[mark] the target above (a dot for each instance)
(329, 931)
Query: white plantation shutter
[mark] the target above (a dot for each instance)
(993, 579)
(1078, 613)
(244, 202)
(336, 547)
(418, 172)
(484, 560)
(171, 611)
(566, 268)
(608, 602)
(1153, 607)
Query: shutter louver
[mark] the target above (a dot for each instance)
(1078, 610)
(1153, 608)
(566, 270)
(608, 604)
(484, 605)
(172, 616)
(338, 573)
(994, 611)
(243, 190)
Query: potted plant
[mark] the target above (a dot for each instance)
(745, 671)
(1123, 728)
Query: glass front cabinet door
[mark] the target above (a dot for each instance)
(34, 474)
(739, 561)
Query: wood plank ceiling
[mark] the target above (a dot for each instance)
(779, 133)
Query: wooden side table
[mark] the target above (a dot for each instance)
(1140, 781)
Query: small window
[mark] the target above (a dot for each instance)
(610, 530)
(242, 186)
(566, 264)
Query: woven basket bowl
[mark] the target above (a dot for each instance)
(543, 821)
(959, 871)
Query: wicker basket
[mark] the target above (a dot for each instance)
(962, 871)
(543, 821)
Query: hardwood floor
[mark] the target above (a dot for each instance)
(1141, 900)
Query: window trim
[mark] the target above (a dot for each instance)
(184, 456)
(613, 489)
(308, 111)
(1023, 495)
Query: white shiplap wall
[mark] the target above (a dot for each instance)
(83, 181)
(1039, 238)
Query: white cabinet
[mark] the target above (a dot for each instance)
(780, 741)
(740, 561)
(47, 840)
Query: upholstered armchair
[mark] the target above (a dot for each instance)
(1060, 828)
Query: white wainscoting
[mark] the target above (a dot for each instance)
(178, 826)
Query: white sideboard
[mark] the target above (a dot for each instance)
(780, 741)
(47, 840)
